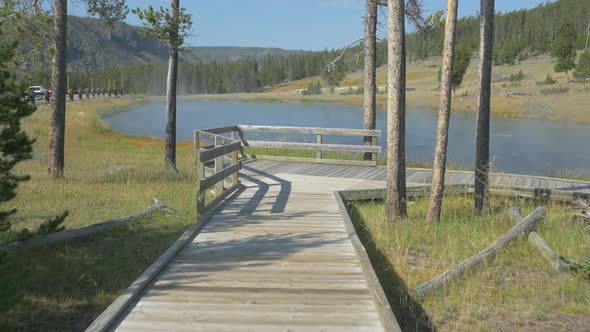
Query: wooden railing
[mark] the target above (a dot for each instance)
(319, 146)
(211, 149)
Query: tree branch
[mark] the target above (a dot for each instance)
(332, 64)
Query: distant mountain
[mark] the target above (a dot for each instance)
(93, 45)
(231, 53)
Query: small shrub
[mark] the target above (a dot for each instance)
(313, 88)
(516, 77)
(580, 269)
(549, 80)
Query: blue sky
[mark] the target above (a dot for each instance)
(290, 24)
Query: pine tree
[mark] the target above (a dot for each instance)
(15, 145)
(444, 113)
(564, 47)
(370, 86)
(482, 147)
(461, 61)
(396, 207)
(583, 67)
(171, 27)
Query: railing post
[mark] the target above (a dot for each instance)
(374, 143)
(243, 143)
(318, 139)
(200, 172)
(218, 167)
(234, 160)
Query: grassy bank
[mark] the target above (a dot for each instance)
(107, 175)
(516, 291)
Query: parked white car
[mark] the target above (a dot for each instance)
(39, 91)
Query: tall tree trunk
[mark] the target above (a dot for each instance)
(444, 112)
(370, 68)
(482, 149)
(396, 112)
(57, 124)
(170, 150)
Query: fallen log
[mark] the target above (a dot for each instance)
(68, 235)
(580, 204)
(583, 216)
(583, 213)
(522, 228)
(508, 94)
(536, 240)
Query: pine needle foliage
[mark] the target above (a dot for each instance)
(15, 145)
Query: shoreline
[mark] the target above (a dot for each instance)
(507, 107)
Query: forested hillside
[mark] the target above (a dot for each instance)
(518, 35)
(244, 75)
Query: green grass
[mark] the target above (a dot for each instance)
(516, 291)
(107, 175)
(63, 288)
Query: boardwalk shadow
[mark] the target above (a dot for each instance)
(263, 188)
(409, 313)
(198, 264)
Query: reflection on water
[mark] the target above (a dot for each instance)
(517, 145)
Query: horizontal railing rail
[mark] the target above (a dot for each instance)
(310, 130)
(212, 156)
(314, 146)
(319, 146)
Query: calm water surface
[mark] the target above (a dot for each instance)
(517, 145)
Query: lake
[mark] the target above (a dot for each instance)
(517, 145)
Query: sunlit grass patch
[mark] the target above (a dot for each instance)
(517, 290)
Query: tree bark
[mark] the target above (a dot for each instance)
(396, 109)
(170, 149)
(524, 227)
(444, 112)
(370, 104)
(57, 121)
(482, 149)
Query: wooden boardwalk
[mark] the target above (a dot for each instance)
(280, 256)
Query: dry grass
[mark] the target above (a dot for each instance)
(516, 291)
(423, 91)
